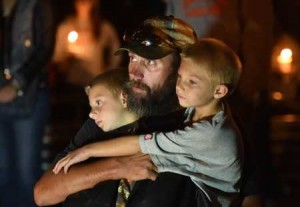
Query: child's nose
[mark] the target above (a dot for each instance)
(179, 85)
(92, 114)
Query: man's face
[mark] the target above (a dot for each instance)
(152, 82)
(151, 73)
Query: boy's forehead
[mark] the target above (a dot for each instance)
(103, 91)
(99, 90)
(189, 66)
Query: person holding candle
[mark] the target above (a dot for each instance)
(84, 44)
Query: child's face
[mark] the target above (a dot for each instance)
(106, 108)
(194, 87)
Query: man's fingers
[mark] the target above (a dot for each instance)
(141, 167)
(155, 169)
(153, 175)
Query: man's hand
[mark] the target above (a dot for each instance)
(7, 94)
(136, 167)
(54, 188)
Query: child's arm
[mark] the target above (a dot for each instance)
(128, 145)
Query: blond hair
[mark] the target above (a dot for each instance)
(221, 63)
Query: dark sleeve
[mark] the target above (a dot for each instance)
(165, 123)
(88, 133)
(251, 182)
(242, 111)
(168, 190)
(43, 41)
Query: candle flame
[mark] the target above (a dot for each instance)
(286, 56)
(285, 59)
(73, 36)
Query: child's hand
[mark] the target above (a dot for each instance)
(73, 157)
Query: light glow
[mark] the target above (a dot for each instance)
(285, 59)
(72, 36)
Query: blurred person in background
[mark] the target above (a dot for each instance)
(84, 44)
(26, 48)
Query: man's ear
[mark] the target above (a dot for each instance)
(220, 91)
(123, 99)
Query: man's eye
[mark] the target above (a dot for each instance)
(150, 62)
(132, 58)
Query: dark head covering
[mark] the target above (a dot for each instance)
(159, 36)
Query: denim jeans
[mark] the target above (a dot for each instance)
(20, 153)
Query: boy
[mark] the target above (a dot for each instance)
(107, 102)
(209, 148)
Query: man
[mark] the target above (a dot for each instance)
(154, 59)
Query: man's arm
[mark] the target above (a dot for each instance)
(52, 189)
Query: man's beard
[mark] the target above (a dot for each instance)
(153, 103)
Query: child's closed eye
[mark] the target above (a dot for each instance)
(192, 82)
(98, 102)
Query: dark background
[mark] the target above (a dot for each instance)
(287, 14)
(126, 14)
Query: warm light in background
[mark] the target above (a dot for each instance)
(286, 56)
(277, 96)
(285, 59)
(73, 36)
(290, 118)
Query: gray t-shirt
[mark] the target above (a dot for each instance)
(210, 152)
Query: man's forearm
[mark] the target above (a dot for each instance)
(55, 188)
(52, 189)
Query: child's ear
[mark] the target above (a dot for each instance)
(220, 91)
(123, 99)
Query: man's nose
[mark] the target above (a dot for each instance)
(136, 72)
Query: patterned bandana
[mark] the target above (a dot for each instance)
(158, 37)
